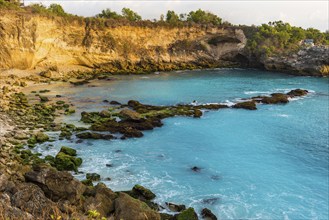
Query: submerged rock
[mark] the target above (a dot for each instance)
(196, 169)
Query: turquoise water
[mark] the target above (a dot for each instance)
(266, 164)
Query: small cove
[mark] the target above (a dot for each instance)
(268, 164)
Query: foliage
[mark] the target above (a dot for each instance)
(276, 37)
(202, 17)
(172, 17)
(57, 9)
(130, 15)
(8, 5)
(108, 13)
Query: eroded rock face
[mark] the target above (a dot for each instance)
(30, 40)
(102, 200)
(312, 61)
(138, 209)
(56, 185)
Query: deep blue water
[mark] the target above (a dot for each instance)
(266, 164)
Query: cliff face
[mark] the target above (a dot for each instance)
(308, 61)
(29, 41)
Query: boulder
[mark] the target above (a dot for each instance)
(41, 137)
(66, 162)
(249, 105)
(102, 200)
(133, 103)
(129, 114)
(128, 208)
(143, 192)
(69, 151)
(93, 135)
(275, 98)
(197, 113)
(175, 208)
(115, 103)
(207, 214)
(188, 214)
(30, 198)
(93, 176)
(297, 92)
(105, 114)
(56, 185)
(196, 169)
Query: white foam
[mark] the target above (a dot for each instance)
(282, 115)
(256, 92)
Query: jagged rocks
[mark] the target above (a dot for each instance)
(56, 185)
(275, 98)
(138, 210)
(130, 115)
(93, 176)
(207, 214)
(101, 199)
(143, 192)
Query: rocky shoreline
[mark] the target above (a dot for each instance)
(32, 187)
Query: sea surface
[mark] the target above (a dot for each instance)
(266, 164)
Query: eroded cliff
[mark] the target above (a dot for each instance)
(29, 41)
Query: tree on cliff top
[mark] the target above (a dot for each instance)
(172, 17)
(108, 13)
(130, 15)
(57, 9)
(203, 17)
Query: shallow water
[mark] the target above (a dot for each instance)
(266, 164)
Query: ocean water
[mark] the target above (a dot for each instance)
(266, 164)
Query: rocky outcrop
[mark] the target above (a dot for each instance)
(31, 40)
(309, 61)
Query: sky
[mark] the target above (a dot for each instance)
(312, 13)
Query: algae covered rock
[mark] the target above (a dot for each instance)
(275, 98)
(297, 92)
(41, 137)
(68, 151)
(129, 114)
(93, 176)
(188, 214)
(128, 208)
(93, 135)
(174, 207)
(250, 105)
(144, 192)
(66, 160)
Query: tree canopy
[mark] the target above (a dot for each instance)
(203, 17)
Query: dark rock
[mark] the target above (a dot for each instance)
(196, 169)
(109, 165)
(115, 103)
(207, 214)
(297, 92)
(118, 151)
(143, 192)
(275, 98)
(93, 135)
(197, 113)
(79, 83)
(44, 98)
(165, 216)
(174, 207)
(250, 105)
(93, 176)
(105, 114)
(105, 101)
(210, 201)
(133, 103)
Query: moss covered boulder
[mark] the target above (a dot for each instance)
(141, 191)
(188, 214)
(275, 98)
(297, 92)
(68, 151)
(93, 176)
(249, 105)
(66, 160)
